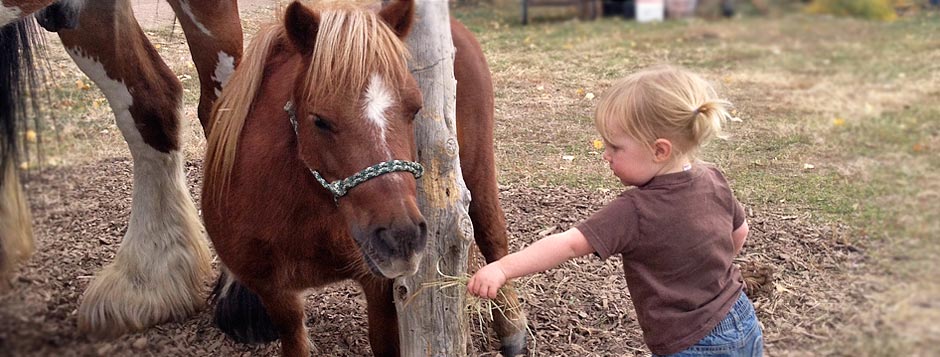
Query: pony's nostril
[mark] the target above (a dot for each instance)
(422, 239)
(384, 241)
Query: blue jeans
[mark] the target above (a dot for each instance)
(738, 334)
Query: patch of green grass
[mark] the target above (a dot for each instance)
(906, 131)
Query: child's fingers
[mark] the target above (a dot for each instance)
(473, 286)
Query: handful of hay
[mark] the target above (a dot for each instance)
(482, 308)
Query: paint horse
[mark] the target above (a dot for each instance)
(160, 270)
(326, 96)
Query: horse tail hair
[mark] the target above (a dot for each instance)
(239, 312)
(232, 107)
(18, 83)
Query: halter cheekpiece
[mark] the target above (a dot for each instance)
(339, 188)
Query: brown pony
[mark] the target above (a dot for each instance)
(321, 96)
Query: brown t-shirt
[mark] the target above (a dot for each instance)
(674, 234)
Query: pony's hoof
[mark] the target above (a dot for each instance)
(513, 345)
(118, 302)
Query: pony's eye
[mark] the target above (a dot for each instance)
(321, 123)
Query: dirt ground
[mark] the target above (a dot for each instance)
(579, 309)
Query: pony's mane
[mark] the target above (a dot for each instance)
(352, 44)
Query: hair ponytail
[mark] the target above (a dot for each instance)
(706, 121)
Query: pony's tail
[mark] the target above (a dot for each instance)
(239, 312)
(232, 107)
(18, 82)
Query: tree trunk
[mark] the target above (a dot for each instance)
(434, 323)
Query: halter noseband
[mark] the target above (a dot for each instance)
(339, 188)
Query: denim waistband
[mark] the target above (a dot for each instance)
(739, 312)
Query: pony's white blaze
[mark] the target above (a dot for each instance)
(158, 270)
(223, 70)
(8, 14)
(189, 13)
(378, 98)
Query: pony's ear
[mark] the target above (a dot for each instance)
(399, 15)
(301, 24)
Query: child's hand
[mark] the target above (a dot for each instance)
(486, 282)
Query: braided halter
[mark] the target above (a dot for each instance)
(339, 188)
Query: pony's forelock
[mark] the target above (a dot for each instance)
(352, 45)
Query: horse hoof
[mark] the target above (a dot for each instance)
(513, 345)
(118, 302)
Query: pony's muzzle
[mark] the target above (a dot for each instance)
(403, 245)
(395, 249)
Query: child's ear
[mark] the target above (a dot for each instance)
(662, 150)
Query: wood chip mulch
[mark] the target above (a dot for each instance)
(802, 275)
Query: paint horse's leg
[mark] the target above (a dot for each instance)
(159, 271)
(214, 33)
(478, 164)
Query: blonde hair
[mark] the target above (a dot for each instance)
(663, 102)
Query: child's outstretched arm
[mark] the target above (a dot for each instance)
(739, 236)
(545, 254)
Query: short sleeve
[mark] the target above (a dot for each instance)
(736, 209)
(611, 230)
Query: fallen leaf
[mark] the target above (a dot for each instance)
(809, 166)
(589, 96)
(568, 158)
(31, 136)
(598, 144)
(838, 122)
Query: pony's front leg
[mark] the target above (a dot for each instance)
(383, 318)
(159, 271)
(286, 311)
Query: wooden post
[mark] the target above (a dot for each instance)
(434, 322)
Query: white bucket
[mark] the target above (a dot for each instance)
(649, 10)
